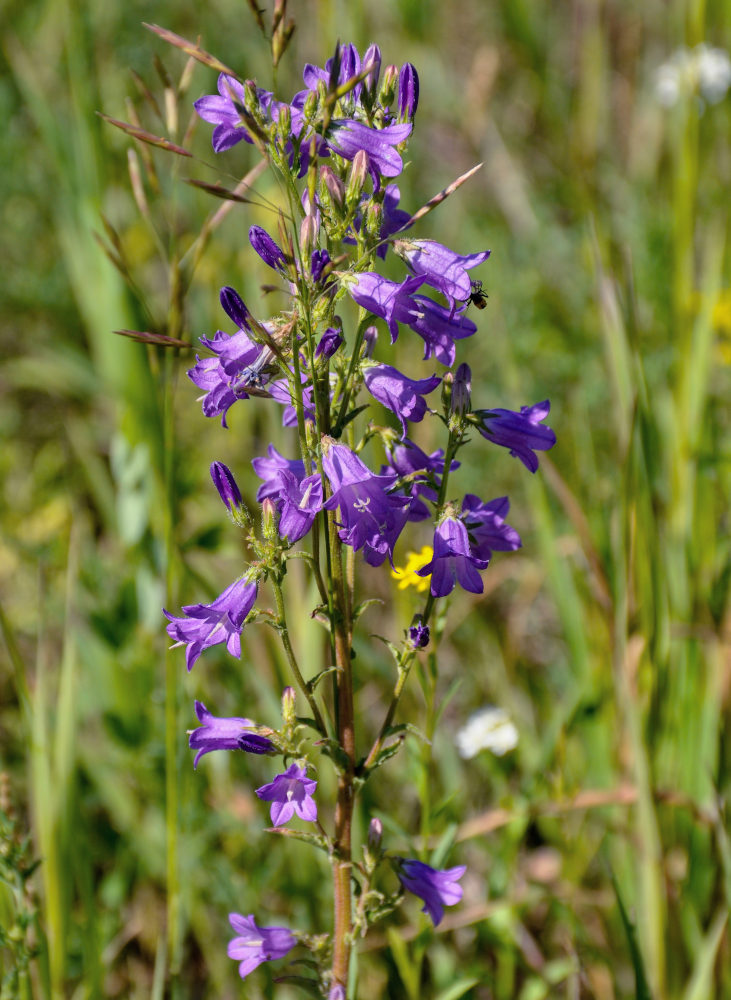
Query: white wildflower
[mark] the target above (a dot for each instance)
(704, 71)
(489, 728)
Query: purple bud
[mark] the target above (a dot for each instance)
(462, 390)
(357, 177)
(337, 992)
(318, 262)
(372, 56)
(288, 706)
(268, 250)
(226, 485)
(329, 343)
(233, 306)
(334, 185)
(375, 833)
(419, 634)
(370, 336)
(308, 234)
(408, 92)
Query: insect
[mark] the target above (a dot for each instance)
(478, 298)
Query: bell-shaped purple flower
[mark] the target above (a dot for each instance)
(225, 734)
(522, 433)
(423, 471)
(439, 328)
(255, 944)
(408, 92)
(454, 560)
(405, 396)
(221, 112)
(486, 526)
(391, 300)
(269, 251)
(347, 136)
(290, 793)
(205, 625)
(372, 518)
(438, 888)
(394, 218)
(444, 269)
(299, 500)
(269, 468)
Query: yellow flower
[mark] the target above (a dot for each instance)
(407, 576)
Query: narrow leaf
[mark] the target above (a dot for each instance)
(144, 136)
(218, 190)
(144, 337)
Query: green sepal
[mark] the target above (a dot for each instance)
(363, 606)
(316, 839)
(314, 681)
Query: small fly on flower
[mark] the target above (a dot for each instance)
(257, 375)
(477, 297)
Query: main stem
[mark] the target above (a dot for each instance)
(344, 807)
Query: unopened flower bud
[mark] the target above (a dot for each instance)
(408, 92)
(333, 184)
(310, 106)
(289, 699)
(319, 260)
(373, 218)
(308, 234)
(388, 86)
(370, 336)
(233, 306)
(229, 492)
(372, 56)
(329, 343)
(269, 520)
(251, 98)
(357, 177)
(284, 123)
(337, 992)
(462, 390)
(375, 834)
(447, 384)
(269, 251)
(418, 633)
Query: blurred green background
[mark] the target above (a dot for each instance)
(597, 851)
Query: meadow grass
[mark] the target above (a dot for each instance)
(598, 853)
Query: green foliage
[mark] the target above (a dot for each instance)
(606, 639)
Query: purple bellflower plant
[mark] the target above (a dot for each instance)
(225, 734)
(290, 793)
(352, 488)
(437, 888)
(254, 945)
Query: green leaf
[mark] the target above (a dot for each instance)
(642, 990)
(457, 989)
(407, 970)
(363, 606)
